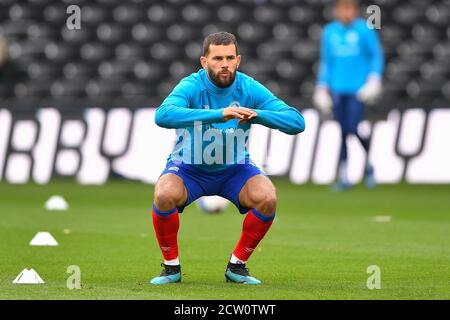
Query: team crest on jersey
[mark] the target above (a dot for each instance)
(352, 37)
(235, 104)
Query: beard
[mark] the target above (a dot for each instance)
(221, 82)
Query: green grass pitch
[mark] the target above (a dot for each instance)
(319, 246)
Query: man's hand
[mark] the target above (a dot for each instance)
(370, 91)
(322, 100)
(243, 114)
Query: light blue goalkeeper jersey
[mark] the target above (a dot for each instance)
(195, 109)
(349, 53)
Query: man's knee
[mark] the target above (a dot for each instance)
(269, 203)
(169, 192)
(164, 199)
(265, 201)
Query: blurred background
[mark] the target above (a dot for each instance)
(129, 55)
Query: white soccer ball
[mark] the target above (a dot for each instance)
(212, 204)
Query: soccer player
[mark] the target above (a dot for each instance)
(350, 73)
(212, 111)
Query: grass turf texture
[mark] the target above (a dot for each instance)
(319, 247)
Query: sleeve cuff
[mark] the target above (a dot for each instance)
(216, 115)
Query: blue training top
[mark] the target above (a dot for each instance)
(349, 53)
(195, 108)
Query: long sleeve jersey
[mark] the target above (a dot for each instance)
(349, 54)
(195, 109)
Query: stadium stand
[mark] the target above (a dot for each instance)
(130, 54)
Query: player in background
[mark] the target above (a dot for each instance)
(350, 76)
(219, 104)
